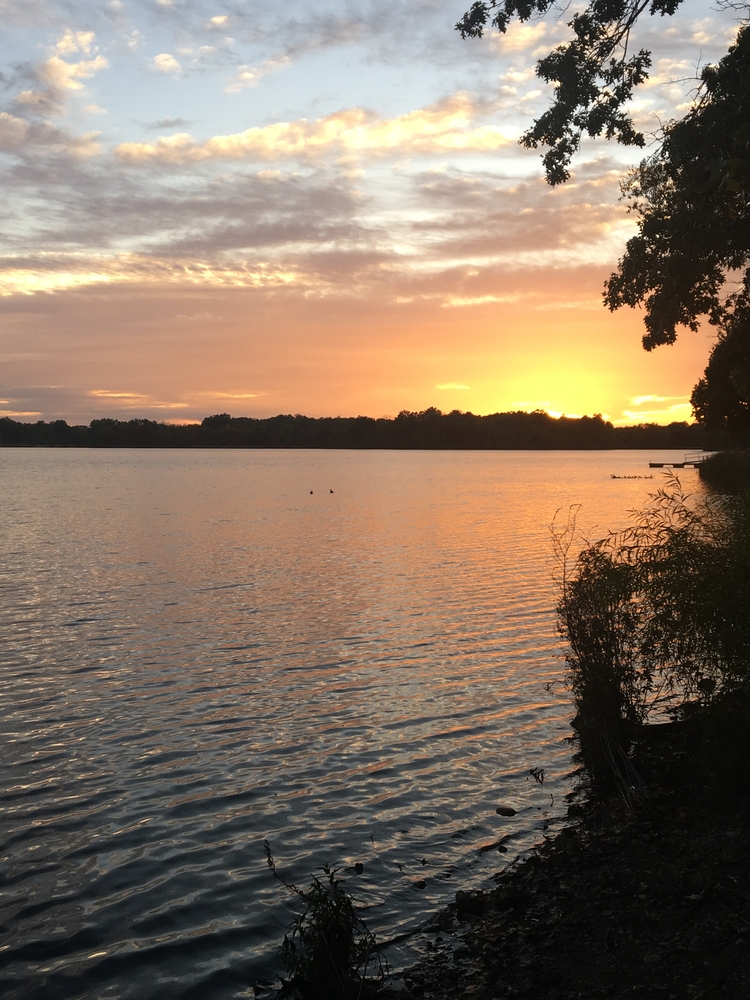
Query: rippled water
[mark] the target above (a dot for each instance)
(198, 653)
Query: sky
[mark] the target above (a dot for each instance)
(315, 208)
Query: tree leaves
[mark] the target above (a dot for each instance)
(693, 201)
(593, 75)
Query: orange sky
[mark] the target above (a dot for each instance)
(211, 210)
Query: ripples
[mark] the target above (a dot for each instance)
(197, 655)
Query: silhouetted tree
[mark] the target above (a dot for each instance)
(721, 399)
(691, 197)
(594, 74)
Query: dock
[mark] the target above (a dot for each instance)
(691, 461)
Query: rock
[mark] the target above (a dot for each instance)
(419, 884)
(575, 809)
(359, 868)
(505, 811)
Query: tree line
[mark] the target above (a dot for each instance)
(426, 429)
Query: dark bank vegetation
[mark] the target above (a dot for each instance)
(727, 472)
(427, 429)
(657, 620)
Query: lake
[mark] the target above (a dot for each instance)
(351, 654)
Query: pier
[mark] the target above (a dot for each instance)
(691, 461)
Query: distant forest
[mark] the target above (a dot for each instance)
(428, 429)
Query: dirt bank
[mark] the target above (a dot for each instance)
(648, 902)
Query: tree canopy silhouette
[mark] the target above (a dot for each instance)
(594, 74)
(691, 196)
(692, 199)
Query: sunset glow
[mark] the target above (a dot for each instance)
(215, 207)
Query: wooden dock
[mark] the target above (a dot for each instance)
(691, 461)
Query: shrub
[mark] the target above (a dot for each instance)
(727, 471)
(657, 615)
(328, 951)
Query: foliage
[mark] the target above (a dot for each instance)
(594, 75)
(721, 399)
(727, 472)
(693, 200)
(658, 614)
(329, 950)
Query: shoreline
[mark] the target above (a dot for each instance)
(647, 903)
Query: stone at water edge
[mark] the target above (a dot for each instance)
(505, 811)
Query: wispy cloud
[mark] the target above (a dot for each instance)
(250, 76)
(167, 123)
(653, 408)
(439, 128)
(134, 400)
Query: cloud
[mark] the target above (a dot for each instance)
(640, 400)
(166, 63)
(248, 76)
(657, 415)
(652, 408)
(62, 75)
(230, 395)
(453, 385)
(167, 123)
(13, 132)
(21, 137)
(458, 301)
(57, 77)
(521, 37)
(74, 272)
(441, 128)
(75, 41)
(134, 400)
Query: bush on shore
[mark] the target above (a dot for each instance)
(328, 951)
(657, 617)
(727, 471)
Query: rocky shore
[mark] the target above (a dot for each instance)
(645, 900)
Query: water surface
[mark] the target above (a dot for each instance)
(351, 654)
